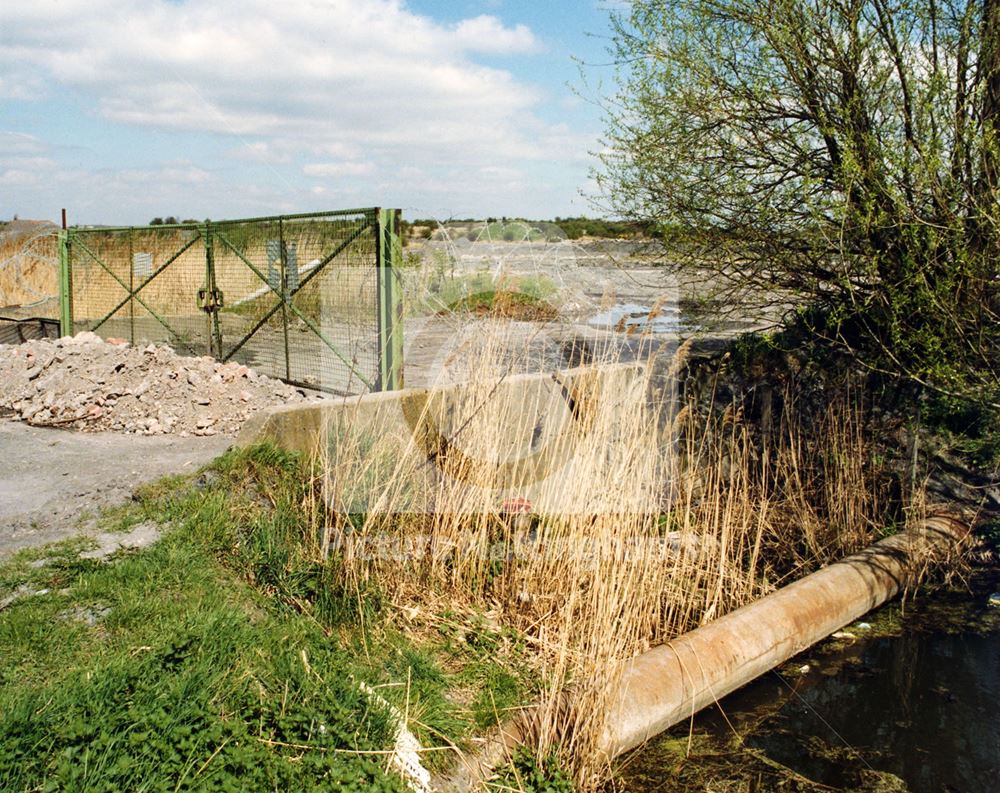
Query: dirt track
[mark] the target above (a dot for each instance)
(53, 481)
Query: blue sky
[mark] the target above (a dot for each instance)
(122, 110)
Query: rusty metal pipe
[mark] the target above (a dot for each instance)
(671, 682)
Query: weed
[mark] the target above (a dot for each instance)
(527, 774)
(438, 289)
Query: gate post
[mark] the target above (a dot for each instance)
(388, 257)
(65, 286)
(213, 330)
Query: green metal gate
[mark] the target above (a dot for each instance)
(313, 299)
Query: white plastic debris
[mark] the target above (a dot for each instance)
(405, 759)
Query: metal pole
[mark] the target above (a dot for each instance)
(396, 301)
(388, 251)
(131, 287)
(65, 282)
(380, 316)
(283, 258)
(213, 325)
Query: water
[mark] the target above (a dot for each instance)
(915, 711)
(922, 707)
(638, 319)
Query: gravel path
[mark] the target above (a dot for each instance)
(53, 481)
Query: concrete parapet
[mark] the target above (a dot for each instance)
(523, 436)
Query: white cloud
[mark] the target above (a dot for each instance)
(308, 89)
(322, 72)
(19, 85)
(499, 172)
(17, 177)
(175, 173)
(259, 151)
(23, 161)
(18, 144)
(338, 169)
(488, 34)
(34, 164)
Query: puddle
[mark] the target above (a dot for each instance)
(636, 319)
(913, 711)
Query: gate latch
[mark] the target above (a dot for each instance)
(209, 300)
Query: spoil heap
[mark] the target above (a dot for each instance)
(87, 383)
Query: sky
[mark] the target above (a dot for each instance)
(125, 110)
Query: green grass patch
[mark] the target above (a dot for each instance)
(506, 304)
(528, 774)
(224, 657)
(523, 297)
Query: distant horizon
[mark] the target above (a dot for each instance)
(17, 218)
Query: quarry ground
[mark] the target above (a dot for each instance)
(54, 481)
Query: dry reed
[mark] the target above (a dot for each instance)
(643, 521)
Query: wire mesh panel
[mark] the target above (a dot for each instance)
(28, 271)
(337, 302)
(299, 297)
(140, 284)
(295, 297)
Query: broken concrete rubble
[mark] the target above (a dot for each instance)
(84, 382)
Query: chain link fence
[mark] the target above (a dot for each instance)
(311, 299)
(28, 270)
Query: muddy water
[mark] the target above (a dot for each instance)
(910, 701)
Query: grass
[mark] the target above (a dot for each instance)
(436, 289)
(505, 303)
(225, 657)
(525, 772)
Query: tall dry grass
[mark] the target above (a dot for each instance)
(648, 518)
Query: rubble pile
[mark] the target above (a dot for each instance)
(87, 383)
